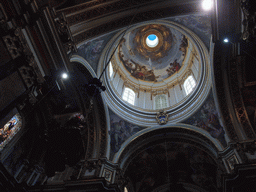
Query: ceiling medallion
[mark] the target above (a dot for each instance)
(162, 117)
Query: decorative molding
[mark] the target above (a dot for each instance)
(249, 21)
(164, 10)
(232, 161)
(65, 33)
(181, 132)
(238, 100)
(17, 46)
(83, 6)
(221, 92)
(13, 45)
(3, 14)
(95, 168)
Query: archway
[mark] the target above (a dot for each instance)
(172, 157)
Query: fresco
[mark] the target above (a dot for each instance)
(153, 64)
(208, 118)
(120, 131)
(186, 162)
(91, 50)
(199, 24)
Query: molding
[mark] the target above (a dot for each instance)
(137, 137)
(79, 59)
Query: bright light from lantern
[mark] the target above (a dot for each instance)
(226, 40)
(152, 40)
(207, 4)
(64, 75)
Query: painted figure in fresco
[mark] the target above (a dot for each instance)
(184, 45)
(210, 123)
(143, 73)
(139, 74)
(174, 67)
(138, 71)
(119, 132)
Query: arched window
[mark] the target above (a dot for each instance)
(161, 102)
(129, 96)
(189, 84)
(110, 69)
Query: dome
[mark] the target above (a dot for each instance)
(155, 66)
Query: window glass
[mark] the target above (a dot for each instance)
(129, 96)
(189, 84)
(160, 102)
(9, 130)
(110, 67)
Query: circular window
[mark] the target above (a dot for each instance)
(152, 40)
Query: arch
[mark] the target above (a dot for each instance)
(79, 59)
(100, 146)
(187, 132)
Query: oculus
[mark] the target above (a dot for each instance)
(152, 40)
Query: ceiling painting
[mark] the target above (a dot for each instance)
(120, 131)
(157, 61)
(92, 50)
(208, 118)
(199, 24)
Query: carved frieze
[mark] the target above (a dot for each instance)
(13, 45)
